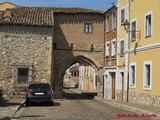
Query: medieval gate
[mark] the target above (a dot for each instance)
(76, 38)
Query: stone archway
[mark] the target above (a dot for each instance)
(71, 43)
(62, 67)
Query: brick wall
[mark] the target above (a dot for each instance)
(110, 35)
(69, 28)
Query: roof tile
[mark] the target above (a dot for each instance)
(40, 16)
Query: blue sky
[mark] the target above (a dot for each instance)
(95, 4)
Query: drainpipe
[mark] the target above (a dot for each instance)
(128, 48)
(103, 54)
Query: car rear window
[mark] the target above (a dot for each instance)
(37, 86)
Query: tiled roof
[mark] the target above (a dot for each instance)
(76, 10)
(41, 16)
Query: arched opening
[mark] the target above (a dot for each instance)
(81, 74)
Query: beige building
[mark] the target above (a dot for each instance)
(87, 78)
(6, 5)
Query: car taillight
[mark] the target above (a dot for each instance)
(29, 93)
(49, 93)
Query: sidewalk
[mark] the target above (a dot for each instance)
(9, 108)
(135, 107)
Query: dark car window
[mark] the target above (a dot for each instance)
(39, 86)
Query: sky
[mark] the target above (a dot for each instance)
(94, 4)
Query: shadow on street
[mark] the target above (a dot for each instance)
(11, 102)
(69, 95)
(29, 116)
(44, 104)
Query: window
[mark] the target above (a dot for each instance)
(23, 75)
(122, 15)
(107, 50)
(133, 30)
(107, 24)
(121, 47)
(113, 20)
(113, 48)
(132, 75)
(147, 78)
(88, 28)
(148, 24)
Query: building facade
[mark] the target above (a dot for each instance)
(140, 57)
(87, 78)
(110, 68)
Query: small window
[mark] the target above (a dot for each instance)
(132, 75)
(113, 20)
(88, 28)
(122, 16)
(23, 75)
(147, 75)
(133, 30)
(107, 50)
(121, 47)
(148, 24)
(107, 23)
(113, 48)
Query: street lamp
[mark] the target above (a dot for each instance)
(126, 26)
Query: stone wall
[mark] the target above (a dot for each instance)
(24, 45)
(142, 98)
(119, 95)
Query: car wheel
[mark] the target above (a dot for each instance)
(51, 103)
(28, 103)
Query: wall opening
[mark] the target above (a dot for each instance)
(81, 75)
(23, 75)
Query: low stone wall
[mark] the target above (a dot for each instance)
(100, 90)
(148, 99)
(18, 91)
(119, 95)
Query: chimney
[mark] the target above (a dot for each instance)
(1, 14)
(7, 15)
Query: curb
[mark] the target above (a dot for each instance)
(127, 107)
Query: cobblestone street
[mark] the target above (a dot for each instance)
(73, 107)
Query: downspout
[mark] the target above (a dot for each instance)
(118, 42)
(128, 49)
(103, 54)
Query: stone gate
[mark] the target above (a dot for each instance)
(46, 41)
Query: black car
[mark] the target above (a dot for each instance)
(39, 93)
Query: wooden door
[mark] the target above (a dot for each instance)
(113, 85)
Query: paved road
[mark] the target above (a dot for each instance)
(74, 107)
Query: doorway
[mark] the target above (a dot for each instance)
(113, 84)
